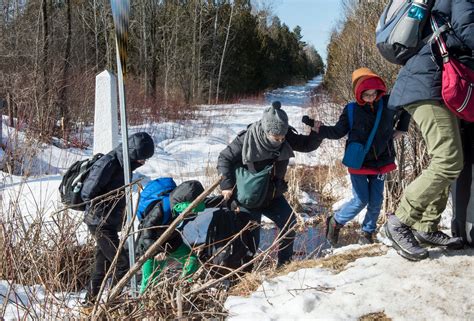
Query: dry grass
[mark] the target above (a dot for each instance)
(339, 262)
(336, 263)
(57, 261)
(248, 284)
(315, 181)
(377, 316)
(45, 253)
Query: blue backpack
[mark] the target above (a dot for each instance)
(399, 31)
(156, 191)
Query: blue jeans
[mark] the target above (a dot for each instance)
(367, 190)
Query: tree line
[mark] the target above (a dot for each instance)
(181, 52)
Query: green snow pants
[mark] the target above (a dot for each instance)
(425, 199)
(152, 268)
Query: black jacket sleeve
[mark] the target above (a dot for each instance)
(153, 218)
(404, 121)
(151, 228)
(303, 143)
(213, 201)
(339, 130)
(228, 160)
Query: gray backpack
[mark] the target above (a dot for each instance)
(399, 32)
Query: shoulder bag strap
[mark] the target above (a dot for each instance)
(374, 129)
(437, 32)
(350, 114)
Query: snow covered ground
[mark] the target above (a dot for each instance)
(439, 288)
(184, 150)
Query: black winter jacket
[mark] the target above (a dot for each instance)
(420, 78)
(231, 158)
(107, 175)
(382, 151)
(151, 228)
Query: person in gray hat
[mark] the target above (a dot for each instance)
(254, 165)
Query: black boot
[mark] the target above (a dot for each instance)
(366, 238)
(332, 230)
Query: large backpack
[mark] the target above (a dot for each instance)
(156, 191)
(225, 225)
(216, 228)
(73, 180)
(399, 32)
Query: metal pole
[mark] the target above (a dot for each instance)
(126, 169)
(120, 12)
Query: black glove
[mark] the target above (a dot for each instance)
(142, 246)
(213, 201)
(308, 121)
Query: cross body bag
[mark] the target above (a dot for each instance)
(355, 152)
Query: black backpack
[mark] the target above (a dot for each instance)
(73, 180)
(225, 224)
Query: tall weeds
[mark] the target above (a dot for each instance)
(45, 262)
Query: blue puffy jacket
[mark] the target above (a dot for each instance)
(420, 78)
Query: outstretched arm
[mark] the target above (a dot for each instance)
(339, 130)
(303, 143)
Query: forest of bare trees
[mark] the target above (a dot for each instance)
(181, 53)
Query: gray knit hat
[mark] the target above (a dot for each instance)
(275, 120)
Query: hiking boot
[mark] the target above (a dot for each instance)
(439, 238)
(366, 238)
(403, 240)
(332, 230)
(281, 263)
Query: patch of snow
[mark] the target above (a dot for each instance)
(433, 289)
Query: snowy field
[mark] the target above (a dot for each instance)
(183, 151)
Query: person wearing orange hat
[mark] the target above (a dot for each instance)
(358, 120)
